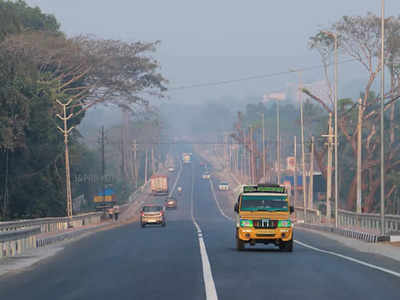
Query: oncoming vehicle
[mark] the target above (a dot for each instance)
(152, 214)
(179, 189)
(223, 186)
(263, 216)
(171, 169)
(171, 203)
(206, 176)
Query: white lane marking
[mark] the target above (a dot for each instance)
(217, 202)
(211, 292)
(360, 262)
(177, 179)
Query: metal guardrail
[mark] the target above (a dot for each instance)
(16, 236)
(313, 216)
(368, 222)
(44, 241)
(15, 242)
(364, 226)
(52, 224)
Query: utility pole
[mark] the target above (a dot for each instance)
(311, 186)
(329, 169)
(103, 165)
(359, 156)
(146, 165)
(302, 149)
(249, 164)
(225, 151)
(295, 171)
(65, 131)
(263, 146)
(242, 163)
(382, 117)
(252, 156)
(336, 132)
(237, 158)
(278, 141)
(335, 37)
(153, 167)
(135, 163)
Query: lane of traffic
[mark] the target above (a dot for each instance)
(123, 263)
(261, 271)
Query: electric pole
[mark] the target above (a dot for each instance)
(295, 171)
(311, 186)
(135, 163)
(103, 165)
(153, 166)
(66, 131)
(278, 141)
(302, 150)
(146, 165)
(359, 156)
(382, 137)
(263, 146)
(329, 169)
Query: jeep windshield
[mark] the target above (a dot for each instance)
(264, 203)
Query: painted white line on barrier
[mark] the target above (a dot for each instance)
(209, 285)
(360, 262)
(217, 202)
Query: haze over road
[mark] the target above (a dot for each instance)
(166, 263)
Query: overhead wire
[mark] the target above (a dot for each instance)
(254, 77)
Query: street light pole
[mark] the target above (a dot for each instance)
(263, 143)
(303, 160)
(335, 37)
(382, 117)
(278, 140)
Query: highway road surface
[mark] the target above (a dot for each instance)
(194, 257)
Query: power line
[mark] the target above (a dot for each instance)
(255, 77)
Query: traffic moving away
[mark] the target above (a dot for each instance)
(159, 184)
(152, 214)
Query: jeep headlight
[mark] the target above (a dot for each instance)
(246, 223)
(284, 223)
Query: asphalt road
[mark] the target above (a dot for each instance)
(168, 263)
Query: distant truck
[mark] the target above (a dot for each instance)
(159, 184)
(187, 158)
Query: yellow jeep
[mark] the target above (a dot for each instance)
(263, 216)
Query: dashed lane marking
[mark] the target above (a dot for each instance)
(209, 284)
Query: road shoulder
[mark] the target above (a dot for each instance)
(383, 249)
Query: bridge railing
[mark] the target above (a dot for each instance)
(17, 236)
(368, 221)
(15, 242)
(313, 216)
(365, 222)
(54, 224)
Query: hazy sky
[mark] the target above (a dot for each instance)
(211, 40)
